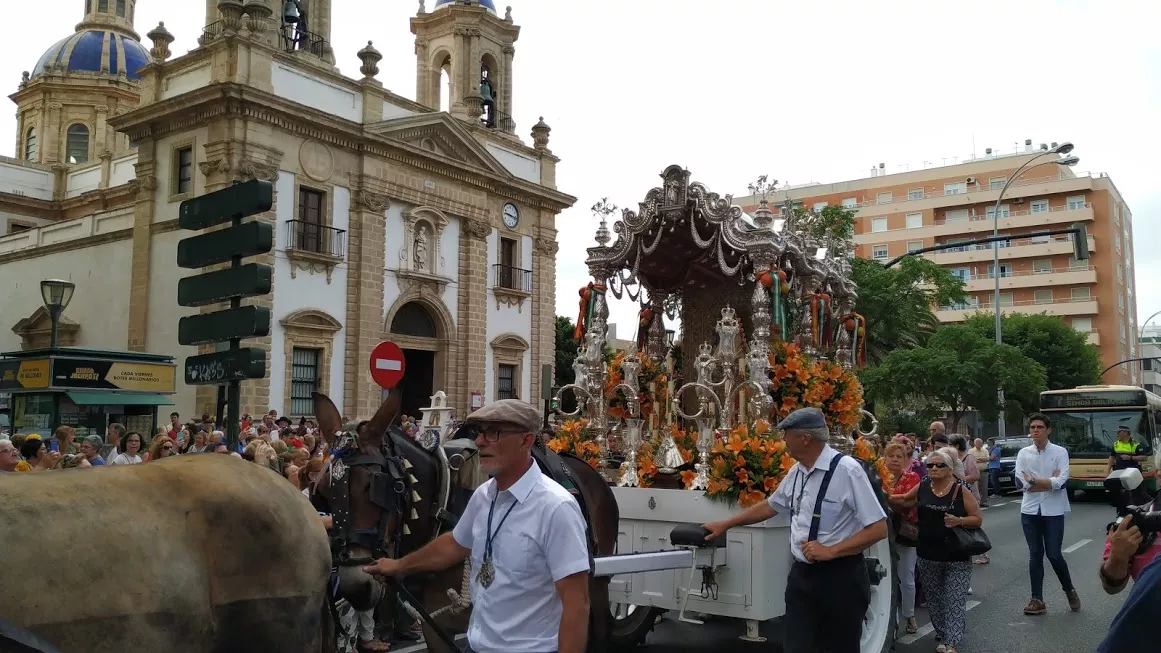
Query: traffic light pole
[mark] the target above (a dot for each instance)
(1077, 231)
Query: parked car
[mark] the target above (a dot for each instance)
(1009, 447)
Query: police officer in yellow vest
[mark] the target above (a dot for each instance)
(1126, 451)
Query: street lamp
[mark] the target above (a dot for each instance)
(56, 294)
(1062, 149)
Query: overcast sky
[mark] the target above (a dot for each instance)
(802, 91)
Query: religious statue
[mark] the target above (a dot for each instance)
(421, 262)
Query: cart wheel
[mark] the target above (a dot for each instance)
(881, 620)
(631, 625)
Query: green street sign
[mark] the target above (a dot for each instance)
(248, 239)
(225, 366)
(250, 280)
(237, 201)
(220, 326)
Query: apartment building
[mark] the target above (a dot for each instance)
(903, 212)
(1150, 344)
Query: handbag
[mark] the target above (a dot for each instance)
(908, 531)
(967, 541)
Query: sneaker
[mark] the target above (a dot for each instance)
(1073, 600)
(1037, 607)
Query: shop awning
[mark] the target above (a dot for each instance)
(114, 398)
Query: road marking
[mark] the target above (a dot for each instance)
(928, 629)
(421, 646)
(1076, 546)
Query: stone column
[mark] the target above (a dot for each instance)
(473, 311)
(211, 12)
(506, 86)
(53, 132)
(366, 259)
(102, 134)
(145, 185)
(543, 309)
(423, 73)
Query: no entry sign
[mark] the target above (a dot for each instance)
(387, 364)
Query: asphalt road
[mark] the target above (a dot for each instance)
(996, 621)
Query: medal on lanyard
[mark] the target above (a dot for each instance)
(487, 573)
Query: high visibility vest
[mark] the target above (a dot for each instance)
(1125, 447)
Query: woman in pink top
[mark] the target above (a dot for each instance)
(1120, 557)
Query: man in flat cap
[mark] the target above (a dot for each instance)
(526, 538)
(834, 517)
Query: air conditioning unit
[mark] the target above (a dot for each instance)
(970, 180)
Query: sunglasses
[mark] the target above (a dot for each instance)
(936, 465)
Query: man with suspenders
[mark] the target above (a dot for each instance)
(834, 517)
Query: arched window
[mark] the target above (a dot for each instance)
(121, 8)
(30, 145)
(413, 319)
(77, 144)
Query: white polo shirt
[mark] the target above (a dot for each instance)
(541, 542)
(848, 507)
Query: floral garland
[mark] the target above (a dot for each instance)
(748, 465)
(570, 438)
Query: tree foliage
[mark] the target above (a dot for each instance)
(957, 370)
(565, 350)
(1068, 358)
(898, 302)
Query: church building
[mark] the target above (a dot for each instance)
(393, 220)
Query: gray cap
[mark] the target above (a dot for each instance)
(803, 418)
(508, 411)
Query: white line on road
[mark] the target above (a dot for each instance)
(1076, 546)
(928, 629)
(416, 648)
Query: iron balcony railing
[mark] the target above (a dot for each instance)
(296, 40)
(493, 118)
(510, 278)
(317, 238)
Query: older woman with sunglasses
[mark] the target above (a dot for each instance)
(944, 502)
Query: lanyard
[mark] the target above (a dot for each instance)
(800, 475)
(490, 533)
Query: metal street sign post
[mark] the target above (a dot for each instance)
(387, 364)
(226, 369)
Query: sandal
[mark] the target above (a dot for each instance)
(912, 627)
(942, 648)
(983, 559)
(373, 646)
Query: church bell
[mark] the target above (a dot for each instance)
(290, 12)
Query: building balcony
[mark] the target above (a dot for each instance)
(933, 197)
(1012, 249)
(314, 248)
(1094, 338)
(1059, 307)
(1015, 280)
(980, 225)
(511, 285)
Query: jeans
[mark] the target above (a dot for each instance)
(1045, 535)
(906, 580)
(994, 481)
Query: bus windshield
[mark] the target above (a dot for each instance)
(1094, 432)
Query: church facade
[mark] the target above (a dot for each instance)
(393, 220)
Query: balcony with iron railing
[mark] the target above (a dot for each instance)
(1063, 275)
(511, 285)
(314, 247)
(291, 39)
(1059, 307)
(980, 223)
(1039, 247)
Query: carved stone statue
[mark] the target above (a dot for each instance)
(420, 250)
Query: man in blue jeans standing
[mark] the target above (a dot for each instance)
(1042, 472)
(994, 455)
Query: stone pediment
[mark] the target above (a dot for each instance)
(441, 134)
(35, 331)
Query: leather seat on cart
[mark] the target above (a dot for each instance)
(694, 535)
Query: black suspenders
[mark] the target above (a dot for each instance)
(816, 518)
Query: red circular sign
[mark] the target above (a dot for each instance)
(387, 364)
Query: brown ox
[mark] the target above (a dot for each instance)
(380, 436)
(190, 554)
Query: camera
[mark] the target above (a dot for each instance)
(1129, 498)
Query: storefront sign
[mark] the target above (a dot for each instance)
(95, 374)
(24, 375)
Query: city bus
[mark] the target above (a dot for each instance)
(1085, 422)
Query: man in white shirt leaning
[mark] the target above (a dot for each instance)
(526, 538)
(1042, 472)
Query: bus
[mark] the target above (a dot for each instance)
(1085, 422)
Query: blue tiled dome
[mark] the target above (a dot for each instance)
(95, 51)
(488, 4)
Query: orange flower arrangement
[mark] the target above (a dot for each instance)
(800, 382)
(747, 465)
(651, 372)
(864, 450)
(570, 438)
(686, 445)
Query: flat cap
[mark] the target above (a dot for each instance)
(508, 411)
(803, 418)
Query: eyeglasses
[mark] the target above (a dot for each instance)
(168, 447)
(493, 434)
(8, 451)
(936, 465)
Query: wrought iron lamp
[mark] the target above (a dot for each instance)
(56, 294)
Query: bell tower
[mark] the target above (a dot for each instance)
(110, 14)
(467, 41)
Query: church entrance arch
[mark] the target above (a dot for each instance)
(423, 332)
